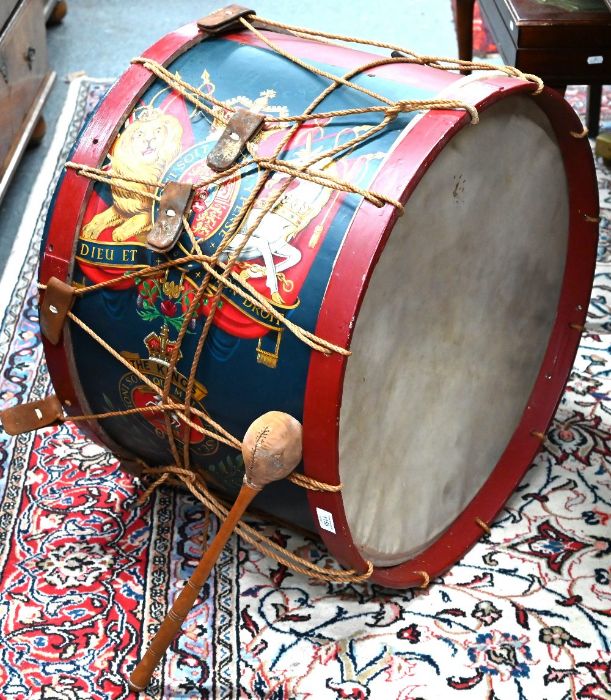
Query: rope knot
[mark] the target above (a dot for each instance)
(393, 111)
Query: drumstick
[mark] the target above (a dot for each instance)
(271, 449)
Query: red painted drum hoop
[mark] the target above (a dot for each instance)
(407, 163)
(412, 157)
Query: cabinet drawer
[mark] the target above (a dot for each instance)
(23, 65)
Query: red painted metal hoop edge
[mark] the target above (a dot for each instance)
(339, 310)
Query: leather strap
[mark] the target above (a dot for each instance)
(56, 302)
(241, 127)
(175, 203)
(31, 416)
(224, 19)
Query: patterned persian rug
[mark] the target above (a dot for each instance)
(87, 574)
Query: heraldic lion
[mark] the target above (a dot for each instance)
(143, 151)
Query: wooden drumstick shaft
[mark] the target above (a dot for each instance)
(271, 450)
(172, 623)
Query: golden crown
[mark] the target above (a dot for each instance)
(160, 347)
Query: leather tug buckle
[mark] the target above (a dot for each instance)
(31, 416)
(56, 302)
(224, 19)
(241, 127)
(175, 203)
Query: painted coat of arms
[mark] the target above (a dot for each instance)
(287, 258)
(165, 139)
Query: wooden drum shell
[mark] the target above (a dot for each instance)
(363, 244)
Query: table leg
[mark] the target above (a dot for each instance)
(464, 29)
(594, 97)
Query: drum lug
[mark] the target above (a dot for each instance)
(269, 358)
(241, 127)
(56, 304)
(224, 19)
(30, 416)
(175, 203)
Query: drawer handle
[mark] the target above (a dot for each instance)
(29, 56)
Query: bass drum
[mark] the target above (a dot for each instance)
(462, 316)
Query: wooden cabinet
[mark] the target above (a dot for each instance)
(565, 43)
(25, 80)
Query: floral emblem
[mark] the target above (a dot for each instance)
(577, 437)
(554, 635)
(497, 654)
(558, 636)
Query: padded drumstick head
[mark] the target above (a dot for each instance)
(271, 448)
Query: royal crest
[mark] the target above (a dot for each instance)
(271, 249)
(137, 394)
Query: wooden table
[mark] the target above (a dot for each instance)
(565, 42)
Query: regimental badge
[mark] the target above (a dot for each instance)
(136, 394)
(273, 252)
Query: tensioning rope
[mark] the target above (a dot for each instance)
(220, 275)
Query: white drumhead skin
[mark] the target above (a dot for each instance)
(452, 331)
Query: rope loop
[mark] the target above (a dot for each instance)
(259, 541)
(307, 482)
(579, 134)
(151, 487)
